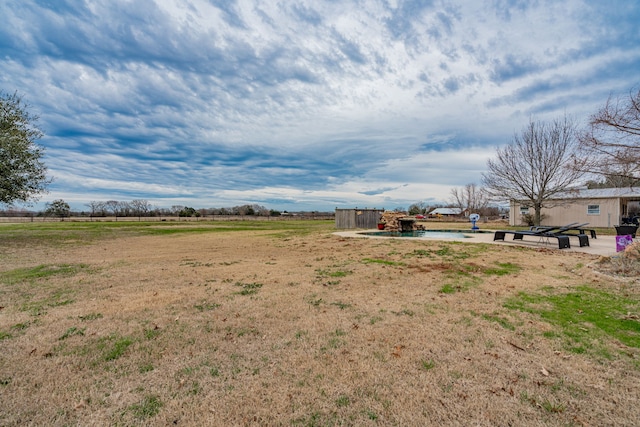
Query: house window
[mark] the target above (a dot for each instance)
(524, 210)
(593, 209)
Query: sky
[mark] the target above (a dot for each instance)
(303, 105)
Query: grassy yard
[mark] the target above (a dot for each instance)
(285, 323)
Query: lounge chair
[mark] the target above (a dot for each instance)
(550, 227)
(579, 228)
(631, 220)
(577, 231)
(544, 233)
(571, 230)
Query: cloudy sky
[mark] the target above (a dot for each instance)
(301, 104)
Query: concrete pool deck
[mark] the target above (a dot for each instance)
(603, 245)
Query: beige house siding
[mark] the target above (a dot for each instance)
(604, 207)
(575, 210)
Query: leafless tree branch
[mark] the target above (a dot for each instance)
(539, 164)
(610, 146)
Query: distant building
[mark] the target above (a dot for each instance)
(446, 212)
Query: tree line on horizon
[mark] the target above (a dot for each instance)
(143, 208)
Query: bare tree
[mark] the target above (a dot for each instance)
(470, 197)
(140, 207)
(535, 167)
(112, 206)
(611, 143)
(175, 209)
(125, 208)
(260, 210)
(612, 181)
(96, 208)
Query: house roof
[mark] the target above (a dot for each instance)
(446, 211)
(600, 193)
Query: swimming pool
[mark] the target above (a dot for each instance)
(435, 234)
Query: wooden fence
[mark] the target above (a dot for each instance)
(358, 218)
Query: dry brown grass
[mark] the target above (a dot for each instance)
(626, 263)
(249, 328)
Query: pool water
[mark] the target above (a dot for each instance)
(436, 234)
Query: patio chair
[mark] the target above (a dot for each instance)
(544, 234)
(626, 230)
(582, 237)
(572, 230)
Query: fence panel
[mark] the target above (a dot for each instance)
(357, 218)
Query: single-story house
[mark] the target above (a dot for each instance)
(601, 207)
(446, 212)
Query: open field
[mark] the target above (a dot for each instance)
(286, 323)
